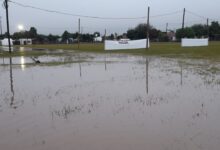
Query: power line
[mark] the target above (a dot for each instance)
(195, 14)
(75, 15)
(92, 17)
(167, 14)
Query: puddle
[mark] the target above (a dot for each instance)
(101, 102)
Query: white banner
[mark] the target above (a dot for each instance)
(125, 44)
(4, 42)
(194, 42)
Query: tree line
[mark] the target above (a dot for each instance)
(200, 31)
(139, 32)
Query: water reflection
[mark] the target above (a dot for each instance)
(3, 60)
(11, 84)
(80, 67)
(22, 61)
(147, 74)
(181, 72)
(105, 64)
(110, 106)
(80, 70)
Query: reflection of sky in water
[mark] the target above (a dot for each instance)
(111, 102)
(23, 63)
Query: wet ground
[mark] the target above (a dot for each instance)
(109, 102)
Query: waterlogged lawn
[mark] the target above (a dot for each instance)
(93, 101)
(156, 49)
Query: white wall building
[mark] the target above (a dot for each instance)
(98, 39)
(25, 41)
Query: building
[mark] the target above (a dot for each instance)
(25, 41)
(98, 39)
(171, 35)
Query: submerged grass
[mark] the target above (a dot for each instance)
(169, 49)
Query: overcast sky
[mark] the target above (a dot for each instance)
(55, 23)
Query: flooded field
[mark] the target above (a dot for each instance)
(109, 102)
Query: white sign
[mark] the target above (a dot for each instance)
(194, 42)
(5, 42)
(125, 44)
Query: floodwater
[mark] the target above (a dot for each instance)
(109, 102)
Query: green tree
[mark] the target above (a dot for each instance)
(65, 36)
(199, 30)
(185, 33)
(52, 38)
(21, 35)
(97, 34)
(139, 32)
(214, 29)
(163, 37)
(131, 34)
(32, 32)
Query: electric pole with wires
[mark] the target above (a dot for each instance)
(1, 26)
(184, 14)
(148, 28)
(7, 20)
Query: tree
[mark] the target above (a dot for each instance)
(214, 29)
(111, 37)
(21, 35)
(87, 37)
(199, 30)
(154, 34)
(163, 37)
(65, 36)
(97, 34)
(140, 31)
(131, 34)
(52, 38)
(41, 38)
(185, 33)
(32, 32)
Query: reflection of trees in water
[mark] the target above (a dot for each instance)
(210, 76)
(68, 59)
(66, 111)
(201, 113)
(149, 100)
(208, 73)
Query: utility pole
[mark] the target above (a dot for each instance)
(184, 13)
(7, 19)
(208, 28)
(79, 35)
(1, 25)
(105, 36)
(166, 28)
(148, 26)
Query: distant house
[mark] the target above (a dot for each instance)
(68, 41)
(171, 35)
(97, 39)
(25, 41)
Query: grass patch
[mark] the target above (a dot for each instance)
(156, 49)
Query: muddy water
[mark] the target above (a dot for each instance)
(110, 102)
